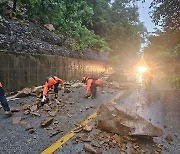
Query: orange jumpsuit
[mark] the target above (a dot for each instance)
(50, 82)
(89, 83)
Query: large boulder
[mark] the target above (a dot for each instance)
(122, 122)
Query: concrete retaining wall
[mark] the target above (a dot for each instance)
(24, 70)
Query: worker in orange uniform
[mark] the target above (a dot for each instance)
(4, 102)
(52, 81)
(91, 86)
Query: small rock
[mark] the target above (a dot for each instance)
(26, 107)
(85, 137)
(169, 138)
(52, 113)
(165, 126)
(66, 90)
(93, 107)
(49, 27)
(55, 122)
(46, 107)
(16, 120)
(14, 110)
(26, 112)
(27, 126)
(78, 129)
(55, 132)
(47, 121)
(29, 140)
(31, 131)
(36, 114)
(33, 108)
(90, 149)
(117, 138)
(49, 128)
(87, 128)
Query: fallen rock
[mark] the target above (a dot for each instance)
(15, 110)
(31, 131)
(169, 138)
(78, 129)
(66, 90)
(33, 108)
(46, 121)
(26, 112)
(49, 27)
(36, 114)
(49, 128)
(27, 126)
(90, 149)
(46, 107)
(26, 107)
(37, 90)
(54, 106)
(115, 120)
(55, 132)
(24, 93)
(52, 113)
(84, 138)
(87, 128)
(16, 120)
(116, 138)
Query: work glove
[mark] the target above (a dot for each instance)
(43, 99)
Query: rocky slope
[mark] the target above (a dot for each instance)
(20, 37)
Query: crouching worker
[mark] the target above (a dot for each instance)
(4, 102)
(91, 86)
(52, 81)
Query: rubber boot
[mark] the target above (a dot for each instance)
(8, 113)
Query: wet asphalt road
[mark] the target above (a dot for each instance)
(14, 138)
(160, 106)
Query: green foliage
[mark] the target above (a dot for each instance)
(98, 24)
(68, 17)
(166, 13)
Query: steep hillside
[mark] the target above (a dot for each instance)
(17, 36)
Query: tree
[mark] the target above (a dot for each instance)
(166, 13)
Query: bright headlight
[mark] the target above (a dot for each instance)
(142, 69)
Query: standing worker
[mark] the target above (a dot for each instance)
(4, 102)
(91, 86)
(52, 81)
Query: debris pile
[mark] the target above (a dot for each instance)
(97, 141)
(47, 112)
